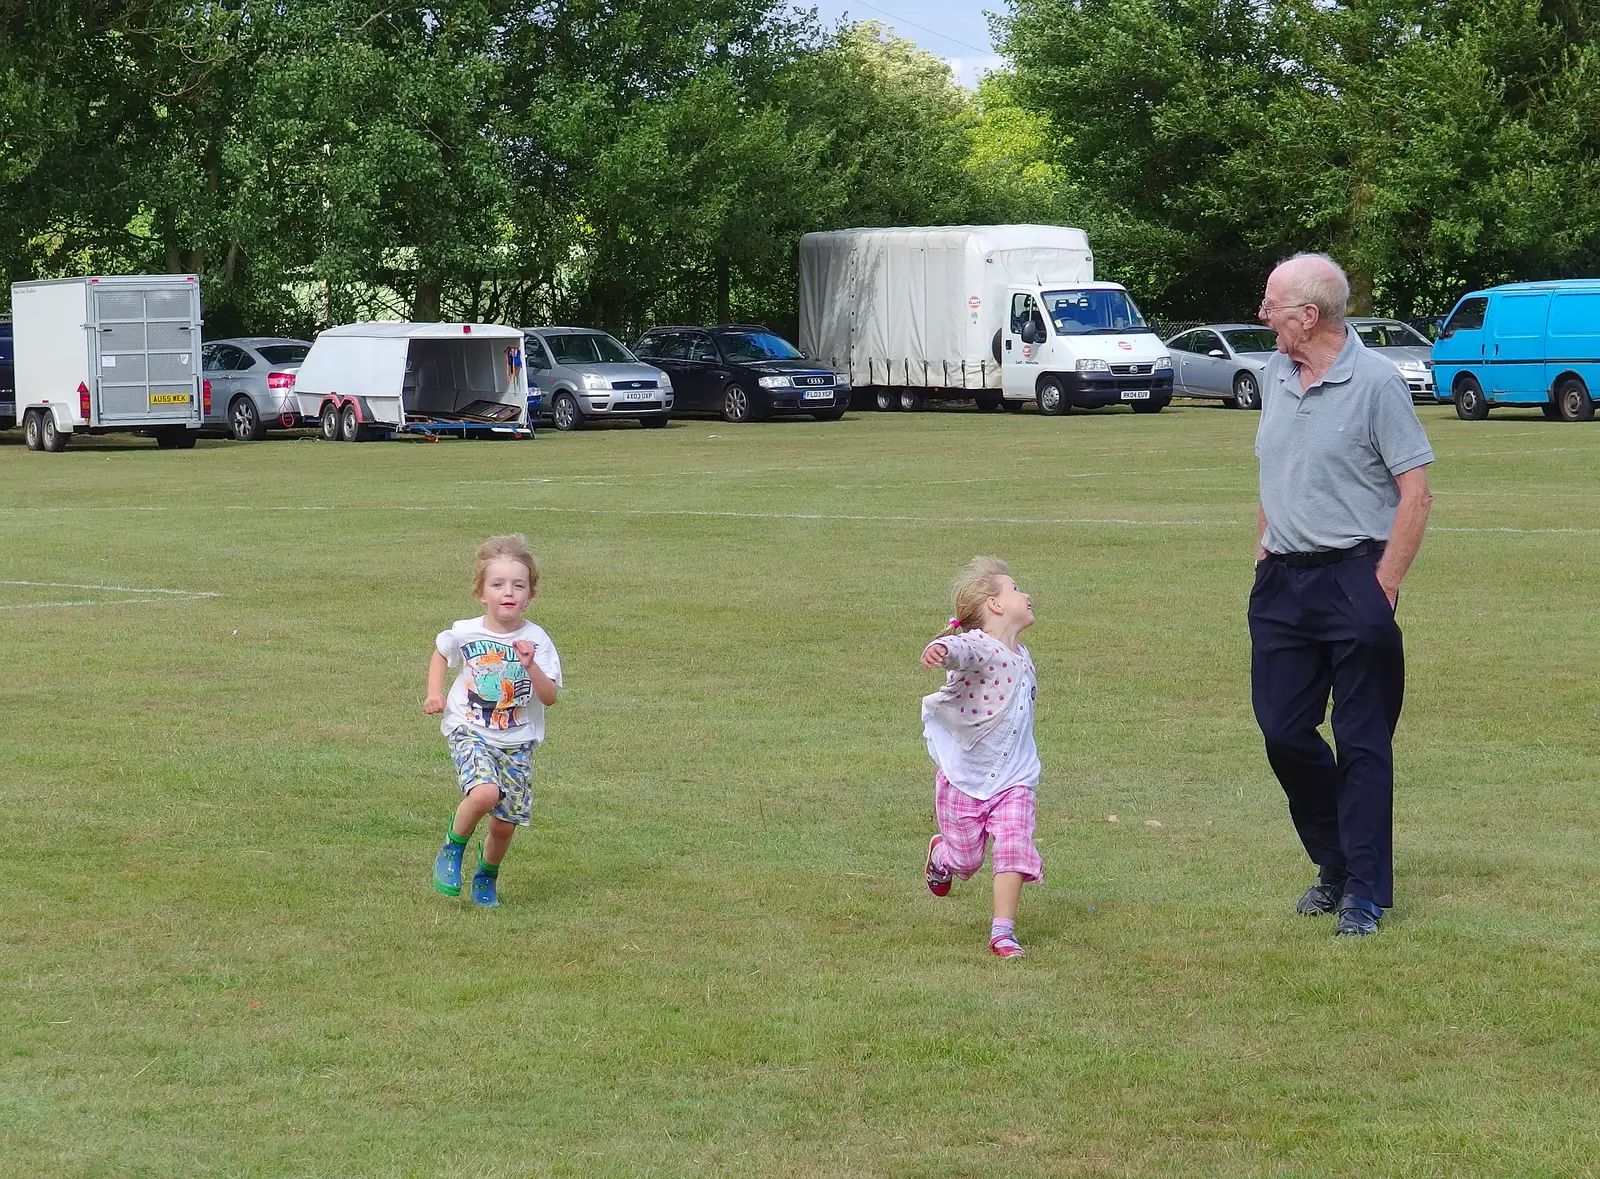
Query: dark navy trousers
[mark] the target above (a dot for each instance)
(1313, 631)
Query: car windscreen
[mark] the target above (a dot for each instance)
(1390, 335)
(284, 353)
(1088, 312)
(1252, 340)
(745, 346)
(587, 348)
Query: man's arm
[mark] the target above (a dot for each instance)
(1261, 534)
(1405, 539)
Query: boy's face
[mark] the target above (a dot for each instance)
(507, 590)
(1012, 605)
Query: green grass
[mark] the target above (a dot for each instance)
(221, 954)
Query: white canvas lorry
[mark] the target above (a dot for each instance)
(364, 381)
(1001, 314)
(108, 353)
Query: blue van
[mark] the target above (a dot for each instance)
(1525, 343)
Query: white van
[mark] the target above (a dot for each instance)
(364, 381)
(1081, 344)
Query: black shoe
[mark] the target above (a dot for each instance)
(1319, 899)
(1357, 918)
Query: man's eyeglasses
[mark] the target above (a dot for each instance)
(1266, 307)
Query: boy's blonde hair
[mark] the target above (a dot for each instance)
(504, 548)
(974, 586)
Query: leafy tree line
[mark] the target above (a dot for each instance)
(615, 162)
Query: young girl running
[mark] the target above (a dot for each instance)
(979, 728)
(494, 714)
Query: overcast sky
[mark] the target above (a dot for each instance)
(956, 30)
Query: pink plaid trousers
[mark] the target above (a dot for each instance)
(968, 824)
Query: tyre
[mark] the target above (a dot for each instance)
(349, 424)
(1548, 409)
(1471, 405)
(1246, 393)
(329, 422)
(829, 415)
(566, 412)
(1148, 406)
(988, 401)
(736, 404)
(1573, 403)
(33, 430)
(1052, 401)
(886, 399)
(177, 438)
(912, 400)
(50, 438)
(245, 421)
(653, 423)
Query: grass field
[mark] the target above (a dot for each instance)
(716, 955)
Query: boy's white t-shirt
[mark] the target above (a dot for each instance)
(493, 695)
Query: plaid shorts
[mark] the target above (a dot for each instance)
(508, 768)
(968, 824)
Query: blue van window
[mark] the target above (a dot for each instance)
(1521, 315)
(1468, 317)
(1575, 313)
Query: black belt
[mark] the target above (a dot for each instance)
(1328, 556)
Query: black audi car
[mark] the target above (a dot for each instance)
(744, 372)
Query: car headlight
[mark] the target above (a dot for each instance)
(774, 382)
(1093, 366)
(1162, 364)
(597, 384)
(665, 382)
(840, 381)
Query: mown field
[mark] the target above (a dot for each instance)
(222, 956)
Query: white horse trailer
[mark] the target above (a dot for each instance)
(109, 353)
(374, 380)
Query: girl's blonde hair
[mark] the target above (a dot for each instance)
(504, 548)
(974, 586)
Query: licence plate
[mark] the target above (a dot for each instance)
(817, 395)
(1136, 395)
(169, 399)
(639, 395)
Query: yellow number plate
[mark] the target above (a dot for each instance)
(169, 399)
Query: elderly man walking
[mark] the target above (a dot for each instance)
(1344, 501)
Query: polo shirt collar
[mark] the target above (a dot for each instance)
(1340, 371)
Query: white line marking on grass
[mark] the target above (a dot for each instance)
(116, 589)
(167, 595)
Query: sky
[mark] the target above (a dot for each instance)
(956, 30)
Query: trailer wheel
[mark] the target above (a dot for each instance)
(51, 438)
(886, 399)
(245, 420)
(349, 424)
(912, 400)
(330, 422)
(1052, 401)
(566, 412)
(177, 438)
(32, 430)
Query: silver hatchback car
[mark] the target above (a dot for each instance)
(252, 383)
(1411, 351)
(583, 375)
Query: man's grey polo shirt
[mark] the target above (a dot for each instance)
(1329, 455)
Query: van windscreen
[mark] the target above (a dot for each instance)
(1092, 311)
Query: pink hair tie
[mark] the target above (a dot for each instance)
(955, 624)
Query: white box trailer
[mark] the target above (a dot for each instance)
(108, 353)
(370, 380)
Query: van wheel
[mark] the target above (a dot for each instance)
(1471, 405)
(1052, 401)
(566, 412)
(330, 422)
(912, 400)
(245, 420)
(736, 404)
(32, 430)
(1548, 410)
(349, 424)
(1246, 395)
(1573, 403)
(50, 438)
(886, 399)
(178, 438)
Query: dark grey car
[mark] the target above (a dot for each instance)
(585, 375)
(252, 383)
(1222, 360)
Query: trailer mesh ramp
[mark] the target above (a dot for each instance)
(477, 411)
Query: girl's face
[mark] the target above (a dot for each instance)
(507, 590)
(1012, 605)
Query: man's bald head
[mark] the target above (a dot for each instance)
(1315, 279)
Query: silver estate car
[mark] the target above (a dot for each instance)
(585, 375)
(252, 383)
(1410, 350)
(1222, 360)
